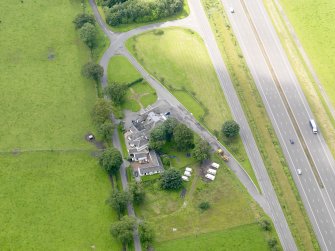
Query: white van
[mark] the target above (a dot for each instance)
(313, 125)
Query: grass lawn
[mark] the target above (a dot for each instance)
(241, 238)
(139, 95)
(185, 68)
(50, 200)
(261, 127)
(54, 201)
(231, 207)
(45, 102)
(126, 27)
(313, 22)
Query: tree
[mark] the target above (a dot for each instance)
(169, 125)
(106, 130)
(265, 225)
(183, 137)
(204, 206)
(123, 230)
(92, 71)
(230, 129)
(88, 34)
(201, 150)
(119, 201)
(110, 160)
(116, 92)
(101, 111)
(146, 232)
(157, 138)
(171, 180)
(82, 19)
(137, 192)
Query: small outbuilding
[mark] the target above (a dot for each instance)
(185, 178)
(210, 176)
(215, 165)
(211, 171)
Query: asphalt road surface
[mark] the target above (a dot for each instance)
(289, 113)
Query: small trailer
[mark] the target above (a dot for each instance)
(211, 171)
(188, 174)
(185, 178)
(188, 169)
(210, 176)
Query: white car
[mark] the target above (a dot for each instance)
(231, 9)
(299, 171)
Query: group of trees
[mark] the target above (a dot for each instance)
(169, 130)
(88, 32)
(101, 118)
(138, 11)
(123, 231)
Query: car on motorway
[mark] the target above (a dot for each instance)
(299, 172)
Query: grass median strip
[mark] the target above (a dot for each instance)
(261, 127)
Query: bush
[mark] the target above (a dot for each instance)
(166, 162)
(230, 129)
(265, 225)
(171, 180)
(204, 206)
(82, 19)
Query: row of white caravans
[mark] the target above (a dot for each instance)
(187, 174)
(211, 172)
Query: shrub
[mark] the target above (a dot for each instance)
(204, 206)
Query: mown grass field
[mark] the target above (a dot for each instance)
(178, 58)
(261, 127)
(54, 201)
(313, 22)
(247, 237)
(139, 95)
(231, 207)
(50, 200)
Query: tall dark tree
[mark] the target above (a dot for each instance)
(137, 192)
(169, 125)
(116, 92)
(106, 130)
(157, 138)
(201, 150)
(123, 230)
(82, 19)
(93, 71)
(230, 129)
(119, 201)
(171, 180)
(183, 137)
(111, 160)
(101, 111)
(88, 34)
(147, 234)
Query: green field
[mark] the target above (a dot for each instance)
(247, 237)
(233, 214)
(313, 22)
(54, 201)
(139, 95)
(184, 67)
(260, 124)
(52, 190)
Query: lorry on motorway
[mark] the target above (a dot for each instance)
(313, 125)
(222, 154)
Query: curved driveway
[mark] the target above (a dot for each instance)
(198, 22)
